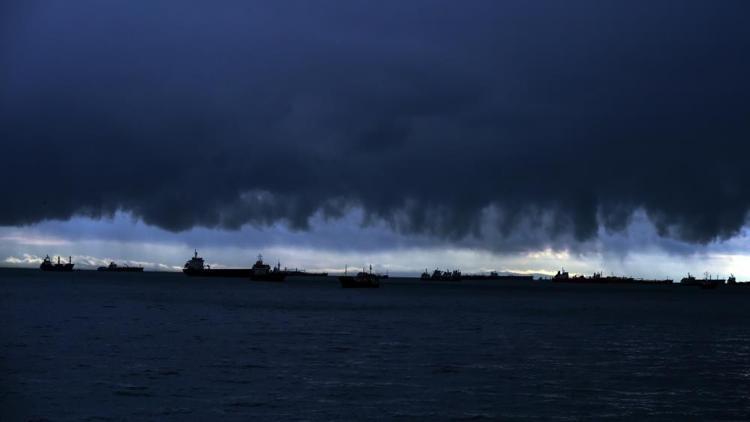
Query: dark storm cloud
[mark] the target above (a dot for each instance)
(561, 115)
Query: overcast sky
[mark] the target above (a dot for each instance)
(508, 135)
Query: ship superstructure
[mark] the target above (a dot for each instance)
(438, 275)
(263, 272)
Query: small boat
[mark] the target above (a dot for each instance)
(361, 280)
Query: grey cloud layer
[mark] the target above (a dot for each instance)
(568, 116)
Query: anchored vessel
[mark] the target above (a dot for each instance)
(705, 283)
(47, 265)
(438, 275)
(456, 275)
(361, 280)
(563, 276)
(263, 272)
(112, 267)
(196, 266)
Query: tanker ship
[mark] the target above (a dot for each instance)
(112, 267)
(705, 283)
(197, 267)
(564, 277)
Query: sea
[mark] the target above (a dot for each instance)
(88, 346)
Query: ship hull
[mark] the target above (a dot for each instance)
(703, 283)
(219, 272)
(349, 282)
(498, 277)
(305, 274)
(121, 270)
(272, 277)
(57, 268)
(610, 280)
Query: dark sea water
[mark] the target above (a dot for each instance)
(89, 346)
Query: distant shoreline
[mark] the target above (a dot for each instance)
(496, 282)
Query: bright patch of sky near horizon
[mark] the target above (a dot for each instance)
(331, 245)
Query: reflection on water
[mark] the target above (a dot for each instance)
(163, 346)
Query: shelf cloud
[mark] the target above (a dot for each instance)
(543, 122)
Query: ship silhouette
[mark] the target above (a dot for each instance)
(361, 280)
(196, 266)
(563, 276)
(47, 265)
(493, 275)
(707, 282)
(112, 267)
(264, 272)
(303, 273)
(439, 275)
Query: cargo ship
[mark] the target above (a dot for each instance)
(112, 267)
(197, 267)
(704, 283)
(563, 276)
(264, 272)
(439, 275)
(47, 265)
(361, 280)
